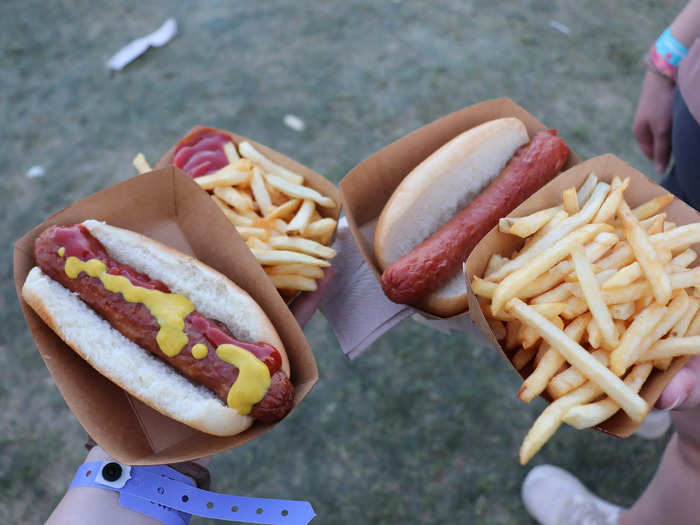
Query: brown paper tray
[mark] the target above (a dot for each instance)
(367, 188)
(168, 206)
(640, 190)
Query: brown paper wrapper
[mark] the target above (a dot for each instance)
(641, 189)
(168, 206)
(367, 188)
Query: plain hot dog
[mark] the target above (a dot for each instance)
(249, 376)
(435, 261)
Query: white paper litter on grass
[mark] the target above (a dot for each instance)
(35, 171)
(294, 122)
(559, 27)
(138, 47)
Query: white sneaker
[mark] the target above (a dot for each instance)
(655, 425)
(552, 496)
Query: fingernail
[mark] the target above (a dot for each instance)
(679, 399)
(659, 168)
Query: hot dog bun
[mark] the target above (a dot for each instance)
(128, 365)
(436, 189)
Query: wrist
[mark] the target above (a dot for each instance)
(665, 55)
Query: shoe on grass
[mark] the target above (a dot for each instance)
(552, 496)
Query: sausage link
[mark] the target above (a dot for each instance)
(433, 262)
(135, 322)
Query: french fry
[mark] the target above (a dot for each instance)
(558, 218)
(526, 226)
(260, 193)
(141, 164)
(575, 306)
(652, 207)
(624, 276)
(558, 294)
(232, 216)
(294, 282)
(668, 226)
(586, 189)
(495, 262)
(629, 349)
(321, 229)
(622, 311)
(255, 243)
(551, 362)
(612, 202)
(248, 231)
(645, 254)
(528, 336)
(523, 356)
(512, 331)
(231, 154)
(633, 405)
(563, 229)
(685, 279)
(657, 226)
(570, 201)
(300, 192)
(249, 152)
(305, 270)
(551, 418)
(226, 176)
(540, 263)
(589, 415)
(238, 200)
(633, 292)
(301, 219)
(283, 211)
(673, 347)
(497, 327)
(685, 235)
(571, 378)
(684, 258)
(483, 288)
(620, 256)
(276, 257)
(594, 335)
(299, 244)
(681, 327)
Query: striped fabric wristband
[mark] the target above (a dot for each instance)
(666, 53)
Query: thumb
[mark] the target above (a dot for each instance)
(683, 391)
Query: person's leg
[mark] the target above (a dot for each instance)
(672, 495)
(684, 178)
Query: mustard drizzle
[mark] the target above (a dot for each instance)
(170, 311)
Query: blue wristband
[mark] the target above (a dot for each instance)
(168, 496)
(670, 49)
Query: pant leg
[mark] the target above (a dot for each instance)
(684, 179)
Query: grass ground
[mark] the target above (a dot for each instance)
(423, 428)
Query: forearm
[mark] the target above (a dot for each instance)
(686, 26)
(89, 505)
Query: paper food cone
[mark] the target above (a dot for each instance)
(168, 206)
(640, 190)
(367, 188)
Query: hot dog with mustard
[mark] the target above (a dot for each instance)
(173, 332)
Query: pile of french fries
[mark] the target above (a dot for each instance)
(274, 213)
(598, 296)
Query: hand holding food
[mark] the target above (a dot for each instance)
(173, 332)
(422, 237)
(618, 279)
(269, 205)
